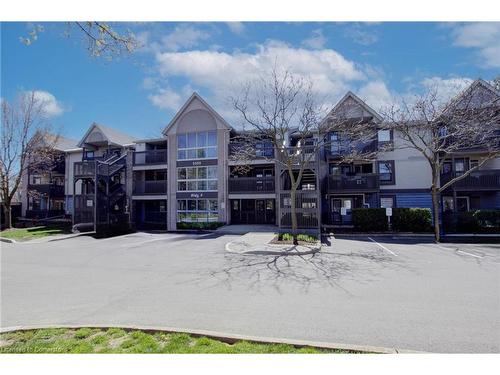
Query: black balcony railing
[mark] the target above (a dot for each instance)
(338, 149)
(150, 187)
(44, 214)
(368, 181)
(52, 190)
(244, 151)
(477, 180)
(251, 184)
(150, 157)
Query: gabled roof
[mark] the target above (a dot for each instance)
(60, 143)
(113, 136)
(63, 143)
(179, 113)
(361, 103)
(478, 83)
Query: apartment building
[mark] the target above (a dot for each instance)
(189, 174)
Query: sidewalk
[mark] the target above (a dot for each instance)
(258, 243)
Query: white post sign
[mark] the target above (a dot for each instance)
(388, 213)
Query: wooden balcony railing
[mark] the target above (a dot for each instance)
(251, 184)
(150, 187)
(84, 169)
(150, 157)
(477, 180)
(358, 182)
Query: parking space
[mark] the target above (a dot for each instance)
(382, 291)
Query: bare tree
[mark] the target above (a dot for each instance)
(27, 142)
(102, 38)
(439, 128)
(280, 107)
(496, 83)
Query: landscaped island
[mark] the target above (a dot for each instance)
(116, 340)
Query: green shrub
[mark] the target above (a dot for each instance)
(369, 219)
(480, 221)
(300, 237)
(200, 226)
(411, 220)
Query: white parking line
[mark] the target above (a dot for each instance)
(466, 253)
(383, 247)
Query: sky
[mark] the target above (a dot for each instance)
(140, 93)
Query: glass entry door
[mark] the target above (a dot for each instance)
(337, 204)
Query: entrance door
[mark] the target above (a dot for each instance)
(253, 211)
(337, 204)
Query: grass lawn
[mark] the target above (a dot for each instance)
(116, 340)
(24, 234)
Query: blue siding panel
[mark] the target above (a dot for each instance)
(414, 200)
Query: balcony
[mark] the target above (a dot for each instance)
(478, 180)
(358, 182)
(251, 184)
(337, 150)
(150, 187)
(84, 169)
(150, 157)
(52, 190)
(244, 151)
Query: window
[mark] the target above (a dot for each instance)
(89, 155)
(197, 178)
(386, 172)
(163, 206)
(386, 202)
(202, 145)
(197, 210)
(37, 180)
(384, 135)
(460, 166)
(462, 204)
(334, 143)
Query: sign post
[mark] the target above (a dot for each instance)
(388, 213)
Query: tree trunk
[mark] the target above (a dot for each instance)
(293, 214)
(435, 213)
(7, 215)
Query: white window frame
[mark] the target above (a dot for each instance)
(196, 180)
(196, 148)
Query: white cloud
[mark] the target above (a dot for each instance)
(167, 98)
(376, 95)
(316, 41)
(52, 107)
(362, 33)
(223, 73)
(184, 36)
(236, 27)
(446, 88)
(483, 36)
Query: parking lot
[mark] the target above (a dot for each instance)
(392, 292)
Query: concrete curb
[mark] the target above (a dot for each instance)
(396, 235)
(29, 242)
(227, 337)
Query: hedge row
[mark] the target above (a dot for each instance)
(403, 220)
(480, 221)
(199, 226)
